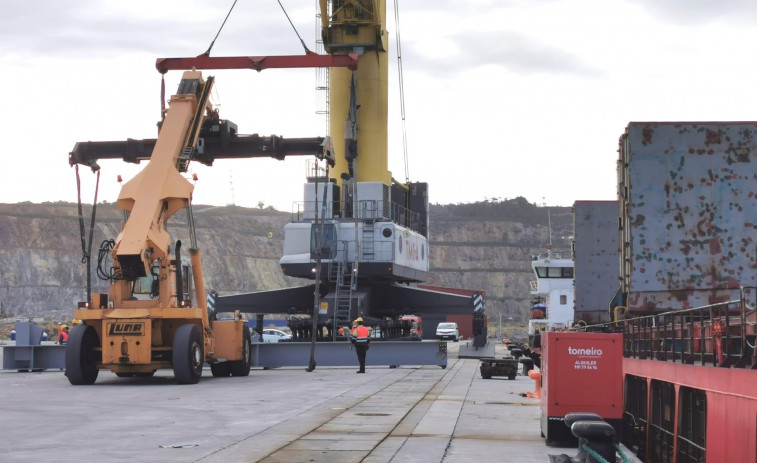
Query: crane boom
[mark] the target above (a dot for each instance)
(159, 190)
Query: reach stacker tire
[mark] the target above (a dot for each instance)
(188, 355)
(81, 357)
(242, 367)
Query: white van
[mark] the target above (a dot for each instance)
(447, 330)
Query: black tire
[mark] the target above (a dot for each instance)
(81, 356)
(511, 377)
(444, 367)
(242, 367)
(124, 375)
(220, 370)
(188, 355)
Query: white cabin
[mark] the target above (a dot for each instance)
(554, 286)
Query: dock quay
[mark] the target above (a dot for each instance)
(405, 414)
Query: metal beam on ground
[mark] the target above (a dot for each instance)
(34, 358)
(330, 354)
(29, 354)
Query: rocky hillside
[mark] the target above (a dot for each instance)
(486, 245)
(489, 245)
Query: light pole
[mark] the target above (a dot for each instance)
(499, 327)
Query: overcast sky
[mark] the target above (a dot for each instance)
(504, 98)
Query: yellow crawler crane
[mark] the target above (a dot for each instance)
(134, 337)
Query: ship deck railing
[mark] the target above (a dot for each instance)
(722, 334)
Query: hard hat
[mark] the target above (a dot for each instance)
(63, 327)
(77, 322)
(358, 320)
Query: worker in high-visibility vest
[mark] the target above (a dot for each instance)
(361, 341)
(62, 335)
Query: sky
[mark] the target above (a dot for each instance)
(503, 98)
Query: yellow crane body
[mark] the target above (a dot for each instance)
(358, 26)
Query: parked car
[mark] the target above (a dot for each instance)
(271, 335)
(447, 331)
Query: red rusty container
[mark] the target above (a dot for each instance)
(688, 213)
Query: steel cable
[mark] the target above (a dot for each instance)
(207, 52)
(295, 29)
(402, 88)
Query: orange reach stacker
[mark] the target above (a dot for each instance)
(132, 331)
(135, 337)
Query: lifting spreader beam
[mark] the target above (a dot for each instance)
(258, 63)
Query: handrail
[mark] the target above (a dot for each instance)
(367, 210)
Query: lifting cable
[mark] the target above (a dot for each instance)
(295, 29)
(402, 87)
(86, 247)
(207, 52)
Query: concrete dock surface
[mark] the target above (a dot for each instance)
(406, 414)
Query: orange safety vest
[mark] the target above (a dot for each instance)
(361, 334)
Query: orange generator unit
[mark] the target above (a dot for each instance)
(581, 372)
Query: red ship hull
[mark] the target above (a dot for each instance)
(726, 422)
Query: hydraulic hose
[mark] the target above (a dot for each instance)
(179, 276)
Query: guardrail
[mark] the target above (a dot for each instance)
(723, 334)
(366, 210)
(383, 251)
